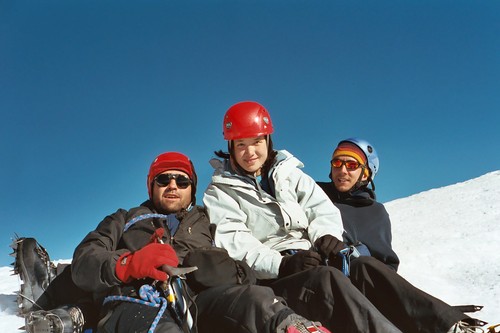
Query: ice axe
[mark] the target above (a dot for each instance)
(177, 271)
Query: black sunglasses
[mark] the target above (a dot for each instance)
(164, 179)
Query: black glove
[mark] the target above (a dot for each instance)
(215, 268)
(329, 246)
(299, 262)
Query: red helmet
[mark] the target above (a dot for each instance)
(246, 120)
(172, 161)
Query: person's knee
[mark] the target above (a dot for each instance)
(365, 260)
(324, 279)
(327, 272)
(256, 294)
(365, 263)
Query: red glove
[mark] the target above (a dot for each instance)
(146, 263)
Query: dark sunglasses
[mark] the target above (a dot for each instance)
(165, 178)
(349, 165)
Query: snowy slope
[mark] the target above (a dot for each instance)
(448, 240)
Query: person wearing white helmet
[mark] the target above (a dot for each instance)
(274, 217)
(373, 262)
(354, 165)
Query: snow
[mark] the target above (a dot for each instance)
(448, 240)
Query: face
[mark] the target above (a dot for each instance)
(171, 199)
(251, 153)
(344, 179)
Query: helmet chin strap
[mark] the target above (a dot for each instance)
(359, 182)
(372, 183)
(369, 181)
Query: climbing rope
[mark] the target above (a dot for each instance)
(150, 297)
(143, 217)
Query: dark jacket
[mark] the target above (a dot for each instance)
(94, 260)
(365, 220)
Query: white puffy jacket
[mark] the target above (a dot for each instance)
(254, 226)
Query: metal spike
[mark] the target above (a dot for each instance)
(176, 271)
(22, 328)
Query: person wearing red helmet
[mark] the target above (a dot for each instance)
(275, 217)
(129, 258)
(373, 269)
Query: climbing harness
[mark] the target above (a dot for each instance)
(345, 254)
(170, 295)
(352, 252)
(159, 294)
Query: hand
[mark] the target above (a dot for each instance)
(298, 262)
(146, 263)
(329, 246)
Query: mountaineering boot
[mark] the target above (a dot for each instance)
(35, 269)
(66, 319)
(464, 327)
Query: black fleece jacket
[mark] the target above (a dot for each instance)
(365, 220)
(94, 260)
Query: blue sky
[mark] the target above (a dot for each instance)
(92, 91)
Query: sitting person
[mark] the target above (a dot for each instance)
(367, 228)
(275, 218)
(134, 253)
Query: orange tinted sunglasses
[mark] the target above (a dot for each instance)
(349, 165)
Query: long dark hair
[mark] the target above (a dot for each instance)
(271, 156)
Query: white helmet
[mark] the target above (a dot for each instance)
(370, 153)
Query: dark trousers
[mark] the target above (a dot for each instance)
(408, 307)
(124, 317)
(325, 294)
(240, 309)
(63, 291)
(228, 308)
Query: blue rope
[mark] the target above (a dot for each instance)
(150, 297)
(143, 217)
(171, 220)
